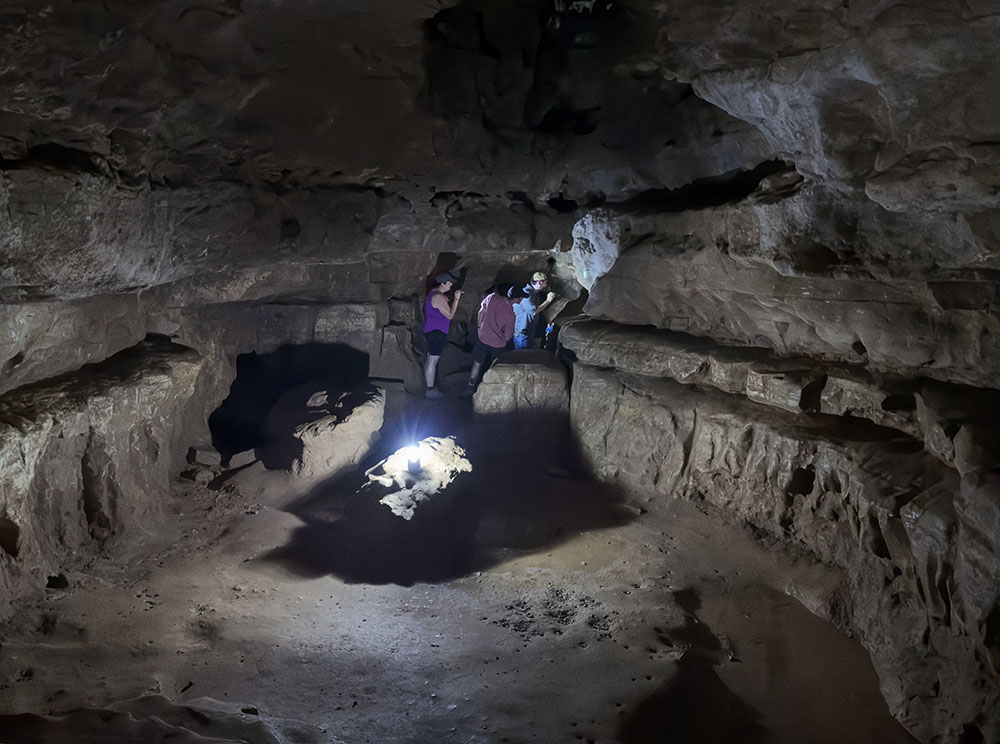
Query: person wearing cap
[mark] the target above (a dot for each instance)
(438, 312)
(496, 328)
(528, 311)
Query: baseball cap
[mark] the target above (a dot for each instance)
(443, 277)
(538, 276)
(516, 293)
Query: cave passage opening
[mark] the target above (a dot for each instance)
(240, 422)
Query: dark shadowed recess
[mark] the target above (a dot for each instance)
(517, 66)
(712, 191)
(261, 379)
(57, 158)
(526, 492)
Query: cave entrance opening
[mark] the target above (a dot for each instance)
(239, 423)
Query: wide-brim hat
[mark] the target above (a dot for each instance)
(443, 277)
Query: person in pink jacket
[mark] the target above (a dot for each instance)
(496, 329)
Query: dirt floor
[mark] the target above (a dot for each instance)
(527, 603)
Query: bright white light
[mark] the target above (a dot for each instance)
(412, 455)
(415, 473)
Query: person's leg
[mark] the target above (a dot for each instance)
(489, 354)
(430, 369)
(521, 342)
(480, 356)
(435, 348)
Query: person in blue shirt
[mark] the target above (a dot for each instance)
(529, 310)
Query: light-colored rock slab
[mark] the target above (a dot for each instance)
(796, 384)
(315, 431)
(414, 474)
(843, 396)
(523, 381)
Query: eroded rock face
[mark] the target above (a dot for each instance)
(864, 93)
(86, 460)
(706, 274)
(526, 381)
(905, 526)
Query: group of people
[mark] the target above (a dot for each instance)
(508, 319)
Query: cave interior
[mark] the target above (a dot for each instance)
(748, 490)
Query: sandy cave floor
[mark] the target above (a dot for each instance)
(527, 604)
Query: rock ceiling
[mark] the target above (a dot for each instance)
(817, 176)
(318, 129)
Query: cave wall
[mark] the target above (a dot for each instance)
(857, 294)
(872, 476)
(87, 460)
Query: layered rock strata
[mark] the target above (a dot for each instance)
(776, 272)
(86, 460)
(526, 381)
(661, 414)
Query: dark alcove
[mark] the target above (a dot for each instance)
(261, 379)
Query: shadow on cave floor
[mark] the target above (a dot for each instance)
(694, 707)
(526, 492)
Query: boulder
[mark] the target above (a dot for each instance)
(315, 431)
(523, 381)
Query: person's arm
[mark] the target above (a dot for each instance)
(441, 303)
(548, 301)
(482, 311)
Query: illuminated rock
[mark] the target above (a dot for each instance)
(528, 380)
(412, 475)
(316, 432)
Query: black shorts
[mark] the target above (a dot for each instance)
(435, 342)
(485, 354)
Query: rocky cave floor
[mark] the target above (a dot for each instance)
(526, 604)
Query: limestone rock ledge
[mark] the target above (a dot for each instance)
(86, 459)
(530, 380)
(919, 588)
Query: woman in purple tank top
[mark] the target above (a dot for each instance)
(438, 313)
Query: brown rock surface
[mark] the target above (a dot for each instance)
(86, 458)
(858, 496)
(315, 430)
(526, 381)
